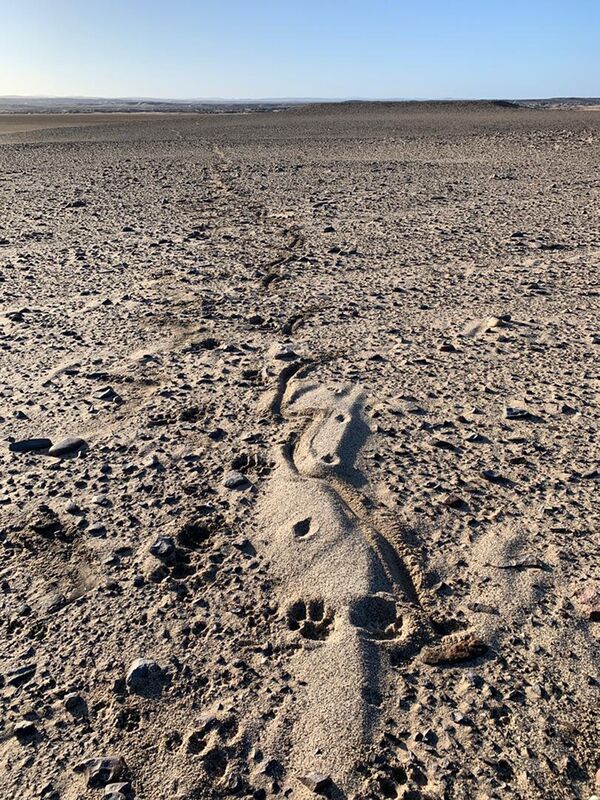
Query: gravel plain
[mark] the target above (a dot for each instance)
(300, 465)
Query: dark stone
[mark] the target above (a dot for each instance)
(456, 502)
(76, 705)
(24, 731)
(144, 677)
(102, 771)
(20, 675)
(235, 480)
(317, 782)
(163, 547)
(30, 445)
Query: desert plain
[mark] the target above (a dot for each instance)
(299, 486)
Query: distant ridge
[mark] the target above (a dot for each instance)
(65, 105)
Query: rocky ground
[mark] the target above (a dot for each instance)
(299, 455)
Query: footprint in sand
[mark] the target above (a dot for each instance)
(345, 562)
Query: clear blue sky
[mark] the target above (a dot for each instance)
(300, 48)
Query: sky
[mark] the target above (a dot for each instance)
(300, 48)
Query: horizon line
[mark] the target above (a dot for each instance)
(298, 99)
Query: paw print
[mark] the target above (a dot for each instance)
(379, 617)
(312, 619)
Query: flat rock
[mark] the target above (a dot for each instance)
(317, 782)
(67, 447)
(115, 791)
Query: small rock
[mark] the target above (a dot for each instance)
(24, 730)
(589, 602)
(456, 502)
(163, 547)
(235, 480)
(494, 477)
(53, 602)
(144, 674)
(443, 444)
(118, 790)
(96, 529)
(75, 705)
(316, 782)
(108, 395)
(102, 771)
(67, 447)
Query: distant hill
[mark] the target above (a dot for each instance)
(69, 105)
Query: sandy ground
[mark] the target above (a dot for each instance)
(333, 375)
(25, 123)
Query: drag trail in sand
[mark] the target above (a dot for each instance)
(302, 410)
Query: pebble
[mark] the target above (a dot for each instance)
(68, 446)
(96, 529)
(45, 521)
(589, 602)
(143, 674)
(108, 395)
(102, 771)
(53, 602)
(235, 480)
(456, 502)
(24, 730)
(75, 705)
(317, 782)
(163, 547)
(116, 791)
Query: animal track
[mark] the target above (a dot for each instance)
(312, 619)
(379, 617)
(305, 528)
